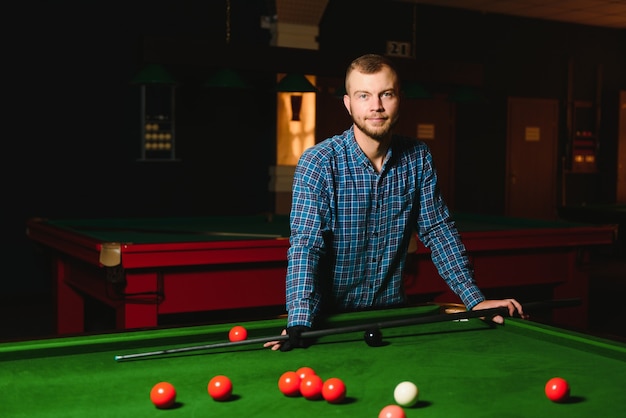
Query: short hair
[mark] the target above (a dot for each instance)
(369, 64)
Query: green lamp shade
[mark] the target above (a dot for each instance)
(153, 74)
(467, 94)
(340, 91)
(295, 83)
(228, 79)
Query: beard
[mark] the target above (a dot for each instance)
(379, 132)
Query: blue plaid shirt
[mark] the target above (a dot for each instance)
(351, 226)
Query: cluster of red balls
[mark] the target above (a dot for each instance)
(306, 383)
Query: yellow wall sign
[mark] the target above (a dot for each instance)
(533, 133)
(425, 131)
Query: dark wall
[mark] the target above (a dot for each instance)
(72, 126)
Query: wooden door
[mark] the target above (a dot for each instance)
(532, 158)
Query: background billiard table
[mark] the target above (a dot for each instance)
(145, 269)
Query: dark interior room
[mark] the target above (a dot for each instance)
(76, 149)
(151, 160)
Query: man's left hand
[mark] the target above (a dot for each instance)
(512, 305)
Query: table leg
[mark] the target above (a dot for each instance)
(70, 305)
(575, 285)
(140, 306)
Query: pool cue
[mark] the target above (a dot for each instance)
(418, 320)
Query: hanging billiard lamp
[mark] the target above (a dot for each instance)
(295, 83)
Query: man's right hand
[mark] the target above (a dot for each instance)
(294, 341)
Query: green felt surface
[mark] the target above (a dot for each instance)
(467, 222)
(152, 230)
(463, 369)
(606, 208)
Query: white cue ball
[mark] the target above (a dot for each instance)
(406, 394)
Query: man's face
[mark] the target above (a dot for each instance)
(373, 102)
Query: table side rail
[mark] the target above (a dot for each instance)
(208, 334)
(80, 247)
(475, 241)
(159, 254)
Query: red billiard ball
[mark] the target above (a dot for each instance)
(237, 333)
(311, 387)
(163, 395)
(220, 388)
(289, 383)
(557, 389)
(334, 390)
(392, 411)
(305, 371)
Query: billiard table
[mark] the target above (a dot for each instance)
(465, 368)
(597, 214)
(146, 269)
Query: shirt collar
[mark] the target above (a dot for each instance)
(359, 155)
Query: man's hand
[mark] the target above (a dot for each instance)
(511, 304)
(294, 341)
(275, 345)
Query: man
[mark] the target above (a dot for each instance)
(357, 197)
